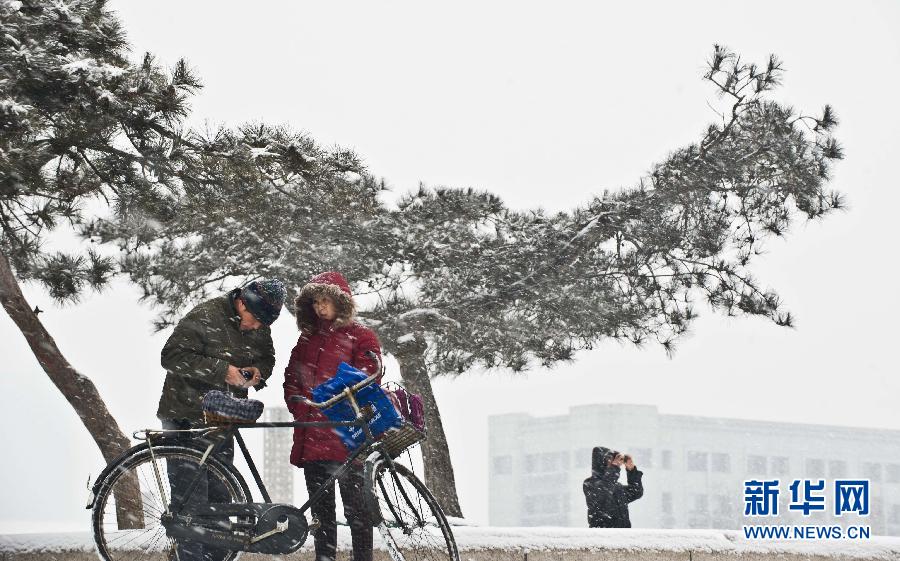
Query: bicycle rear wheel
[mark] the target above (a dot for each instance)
(137, 492)
(409, 518)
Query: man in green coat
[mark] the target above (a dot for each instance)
(214, 342)
(208, 350)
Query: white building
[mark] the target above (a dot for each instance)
(278, 473)
(694, 467)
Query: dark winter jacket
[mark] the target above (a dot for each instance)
(197, 354)
(322, 346)
(607, 499)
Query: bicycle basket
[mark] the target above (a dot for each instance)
(408, 404)
(385, 415)
(223, 408)
(395, 441)
(412, 426)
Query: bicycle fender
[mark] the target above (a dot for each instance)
(108, 469)
(160, 440)
(371, 464)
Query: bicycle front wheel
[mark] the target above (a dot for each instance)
(409, 518)
(138, 491)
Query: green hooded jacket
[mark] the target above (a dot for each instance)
(197, 354)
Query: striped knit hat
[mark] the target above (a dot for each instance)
(264, 299)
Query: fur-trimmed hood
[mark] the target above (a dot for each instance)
(333, 285)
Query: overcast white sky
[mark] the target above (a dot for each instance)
(543, 104)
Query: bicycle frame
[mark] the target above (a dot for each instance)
(233, 430)
(235, 522)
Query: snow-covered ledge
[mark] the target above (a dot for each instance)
(536, 544)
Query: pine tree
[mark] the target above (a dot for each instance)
(78, 124)
(485, 286)
(263, 202)
(458, 280)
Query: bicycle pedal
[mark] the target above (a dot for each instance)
(314, 525)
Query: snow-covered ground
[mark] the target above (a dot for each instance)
(474, 538)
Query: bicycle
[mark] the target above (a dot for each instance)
(135, 514)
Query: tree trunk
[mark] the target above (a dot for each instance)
(78, 390)
(435, 452)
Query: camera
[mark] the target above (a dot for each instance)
(247, 374)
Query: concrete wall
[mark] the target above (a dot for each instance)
(479, 543)
(504, 555)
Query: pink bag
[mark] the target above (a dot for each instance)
(410, 406)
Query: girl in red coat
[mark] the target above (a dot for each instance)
(329, 336)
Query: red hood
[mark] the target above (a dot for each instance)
(334, 278)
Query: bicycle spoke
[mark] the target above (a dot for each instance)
(138, 485)
(156, 498)
(147, 508)
(412, 524)
(390, 505)
(160, 534)
(173, 549)
(134, 537)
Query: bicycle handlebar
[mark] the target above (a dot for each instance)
(326, 404)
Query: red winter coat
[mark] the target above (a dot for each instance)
(322, 346)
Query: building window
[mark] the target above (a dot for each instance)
(582, 458)
(721, 463)
(893, 473)
(529, 505)
(502, 465)
(700, 504)
(697, 461)
(894, 515)
(549, 462)
(698, 517)
(667, 503)
(723, 505)
(756, 465)
(872, 471)
(550, 504)
(666, 459)
(542, 504)
(780, 465)
(815, 467)
(837, 468)
(556, 461)
(698, 521)
(642, 457)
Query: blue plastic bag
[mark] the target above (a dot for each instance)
(386, 416)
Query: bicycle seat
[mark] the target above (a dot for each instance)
(223, 408)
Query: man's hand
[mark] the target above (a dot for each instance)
(617, 460)
(235, 378)
(255, 379)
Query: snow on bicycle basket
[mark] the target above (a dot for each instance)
(389, 424)
(223, 408)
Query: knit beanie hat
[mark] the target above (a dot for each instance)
(264, 299)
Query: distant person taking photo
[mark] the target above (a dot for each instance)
(607, 499)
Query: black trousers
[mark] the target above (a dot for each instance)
(209, 489)
(355, 509)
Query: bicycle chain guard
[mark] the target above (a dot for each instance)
(279, 528)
